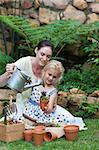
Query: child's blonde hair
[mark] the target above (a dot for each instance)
(56, 65)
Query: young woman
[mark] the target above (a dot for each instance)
(53, 113)
(32, 66)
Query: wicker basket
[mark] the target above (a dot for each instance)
(11, 132)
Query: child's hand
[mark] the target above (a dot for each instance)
(48, 110)
(45, 108)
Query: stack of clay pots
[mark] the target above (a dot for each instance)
(37, 135)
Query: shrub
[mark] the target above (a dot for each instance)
(84, 79)
(4, 59)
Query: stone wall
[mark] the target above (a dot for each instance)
(75, 98)
(46, 11)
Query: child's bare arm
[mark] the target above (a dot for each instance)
(52, 103)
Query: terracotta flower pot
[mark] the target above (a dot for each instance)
(28, 135)
(71, 132)
(50, 136)
(43, 104)
(38, 137)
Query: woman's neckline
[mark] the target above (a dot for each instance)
(36, 69)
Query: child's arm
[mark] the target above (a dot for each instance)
(52, 103)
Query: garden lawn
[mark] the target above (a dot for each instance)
(87, 140)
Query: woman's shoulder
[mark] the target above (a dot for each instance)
(23, 61)
(26, 58)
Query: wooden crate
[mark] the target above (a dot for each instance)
(11, 132)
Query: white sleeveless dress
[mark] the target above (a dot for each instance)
(59, 116)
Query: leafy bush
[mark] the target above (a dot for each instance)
(87, 110)
(62, 33)
(4, 59)
(85, 79)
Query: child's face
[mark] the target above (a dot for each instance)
(51, 76)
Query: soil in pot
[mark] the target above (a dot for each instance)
(71, 132)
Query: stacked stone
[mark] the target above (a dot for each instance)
(46, 11)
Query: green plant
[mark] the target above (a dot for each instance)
(4, 59)
(5, 107)
(62, 33)
(85, 79)
(88, 139)
(43, 96)
(87, 110)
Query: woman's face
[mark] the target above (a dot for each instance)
(43, 55)
(50, 76)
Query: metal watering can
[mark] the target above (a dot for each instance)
(18, 80)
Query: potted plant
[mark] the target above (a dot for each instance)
(43, 101)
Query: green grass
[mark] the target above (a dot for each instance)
(87, 140)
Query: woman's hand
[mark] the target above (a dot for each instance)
(10, 67)
(7, 75)
(4, 78)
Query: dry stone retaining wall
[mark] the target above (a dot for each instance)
(46, 11)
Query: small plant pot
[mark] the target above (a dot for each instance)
(38, 137)
(71, 132)
(50, 136)
(28, 135)
(39, 128)
(43, 104)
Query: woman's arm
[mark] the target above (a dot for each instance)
(19, 63)
(23, 63)
(52, 103)
(4, 78)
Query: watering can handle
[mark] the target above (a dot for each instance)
(28, 79)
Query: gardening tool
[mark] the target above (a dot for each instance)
(18, 80)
